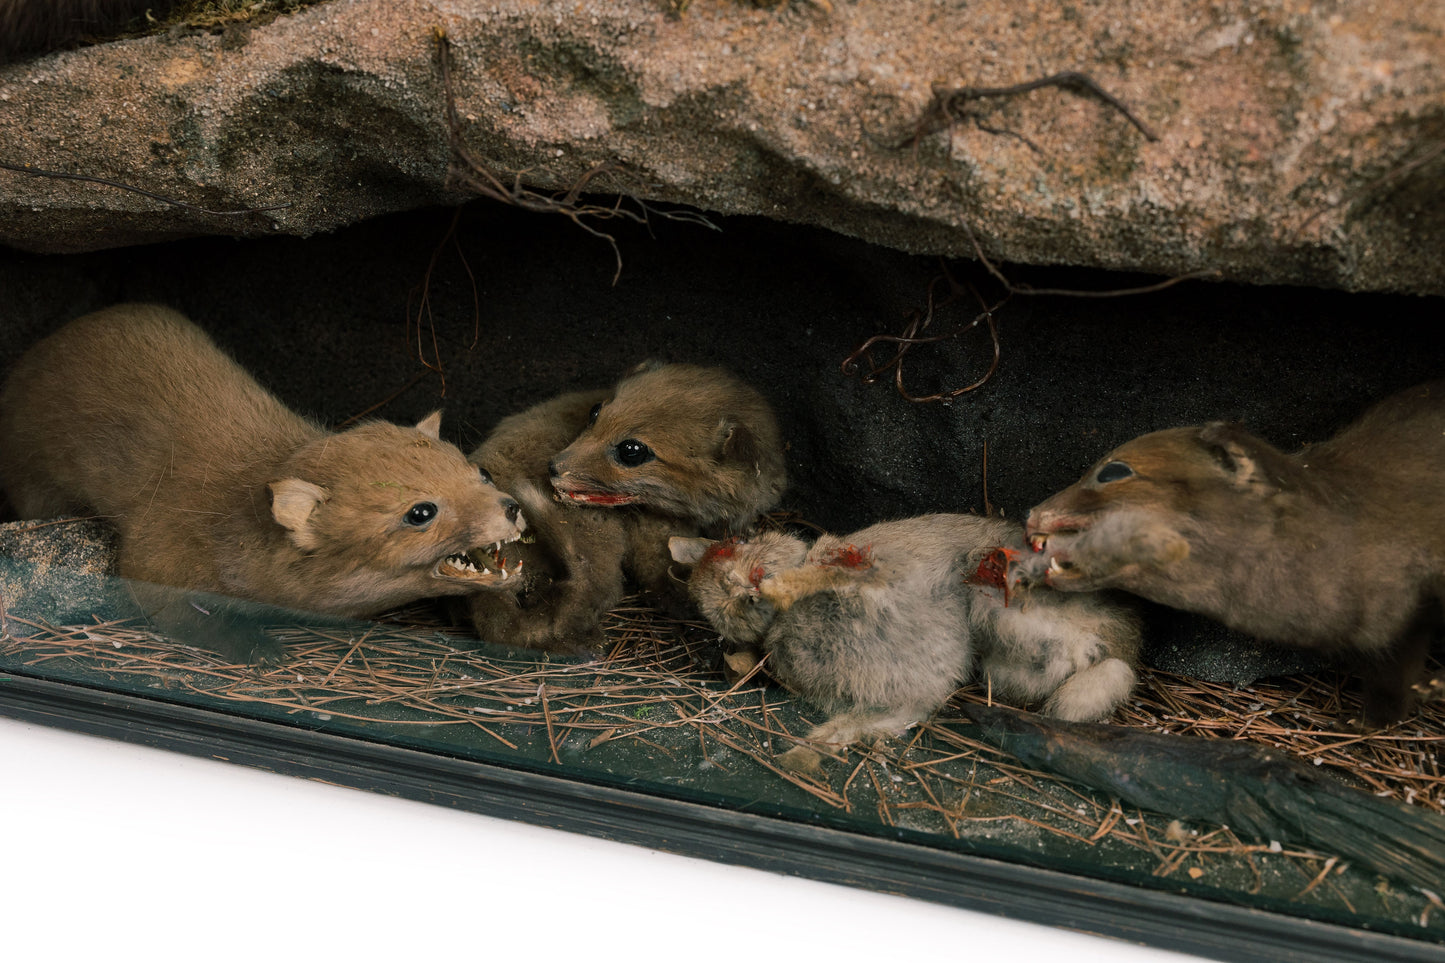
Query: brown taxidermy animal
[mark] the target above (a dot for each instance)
(575, 561)
(134, 413)
(681, 440)
(1339, 548)
(32, 27)
(878, 628)
(701, 426)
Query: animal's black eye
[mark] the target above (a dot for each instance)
(592, 415)
(1112, 472)
(630, 453)
(420, 513)
(486, 475)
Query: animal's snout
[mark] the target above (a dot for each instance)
(1043, 520)
(552, 470)
(512, 509)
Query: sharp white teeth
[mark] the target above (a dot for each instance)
(504, 574)
(1054, 566)
(1037, 542)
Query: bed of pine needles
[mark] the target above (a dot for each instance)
(659, 684)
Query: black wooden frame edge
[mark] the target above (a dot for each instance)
(1163, 920)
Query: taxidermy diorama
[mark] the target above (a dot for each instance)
(734, 571)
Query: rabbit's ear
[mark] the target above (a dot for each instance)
(688, 551)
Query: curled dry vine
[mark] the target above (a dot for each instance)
(469, 173)
(860, 362)
(472, 175)
(949, 106)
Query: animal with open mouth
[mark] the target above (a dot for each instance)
(134, 413)
(878, 628)
(1339, 548)
(686, 441)
(701, 450)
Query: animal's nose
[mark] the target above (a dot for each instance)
(512, 509)
(552, 468)
(1038, 518)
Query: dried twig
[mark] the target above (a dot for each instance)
(63, 175)
(917, 322)
(860, 362)
(423, 295)
(950, 105)
(1026, 290)
(468, 172)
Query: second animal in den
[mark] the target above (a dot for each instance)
(606, 477)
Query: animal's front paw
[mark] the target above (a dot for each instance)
(802, 760)
(266, 650)
(737, 665)
(576, 636)
(1431, 690)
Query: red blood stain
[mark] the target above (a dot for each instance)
(850, 557)
(756, 575)
(993, 570)
(726, 548)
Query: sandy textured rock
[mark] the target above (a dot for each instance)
(1297, 142)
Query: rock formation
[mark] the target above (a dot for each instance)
(1292, 142)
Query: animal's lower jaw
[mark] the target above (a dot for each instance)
(480, 566)
(1065, 575)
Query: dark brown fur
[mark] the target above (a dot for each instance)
(1340, 548)
(134, 413)
(575, 560)
(707, 449)
(581, 557)
(32, 27)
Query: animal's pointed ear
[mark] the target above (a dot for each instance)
(431, 425)
(1248, 461)
(688, 551)
(736, 443)
(293, 503)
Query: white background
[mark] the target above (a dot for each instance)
(110, 852)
